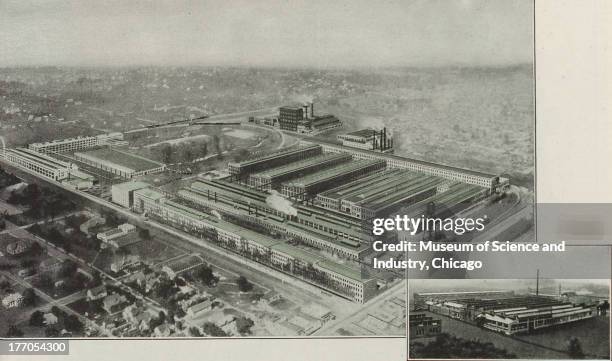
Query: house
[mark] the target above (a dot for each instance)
(198, 308)
(139, 317)
(184, 264)
(113, 302)
(144, 281)
(92, 222)
(120, 231)
(50, 265)
(50, 319)
(97, 293)
(12, 300)
(18, 247)
(162, 330)
(124, 262)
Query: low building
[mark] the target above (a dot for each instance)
(181, 265)
(162, 330)
(199, 308)
(123, 164)
(124, 262)
(420, 325)
(114, 302)
(50, 265)
(40, 163)
(120, 231)
(97, 293)
(367, 139)
(18, 247)
(12, 300)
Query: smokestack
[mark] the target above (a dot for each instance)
(312, 110)
(538, 282)
(385, 143)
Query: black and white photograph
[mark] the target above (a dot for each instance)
(215, 168)
(538, 318)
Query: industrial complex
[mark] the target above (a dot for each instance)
(504, 311)
(305, 210)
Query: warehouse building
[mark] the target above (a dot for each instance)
(380, 194)
(77, 143)
(368, 139)
(40, 163)
(333, 232)
(488, 181)
(339, 279)
(271, 178)
(502, 311)
(307, 187)
(269, 160)
(120, 163)
(123, 193)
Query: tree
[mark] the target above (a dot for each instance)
(144, 233)
(37, 318)
(166, 153)
(243, 284)
(243, 325)
(68, 268)
(574, 349)
(195, 332)
(13, 331)
(73, 324)
(29, 297)
(51, 332)
(604, 307)
(213, 330)
(206, 275)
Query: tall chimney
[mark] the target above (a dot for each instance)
(538, 282)
(312, 110)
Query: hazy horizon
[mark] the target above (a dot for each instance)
(267, 33)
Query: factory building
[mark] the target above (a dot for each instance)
(488, 181)
(307, 187)
(300, 118)
(120, 163)
(271, 178)
(263, 162)
(502, 311)
(420, 325)
(421, 299)
(40, 163)
(368, 139)
(333, 232)
(290, 115)
(379, 194)
(340, 279)
(77, 143)
(123, 193)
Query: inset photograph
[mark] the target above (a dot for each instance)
(501, 319)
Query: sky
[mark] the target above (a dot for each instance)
(289, 33)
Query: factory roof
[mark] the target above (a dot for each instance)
(267, 156)
(294, 106)
(296, 166)
(330, 173)
(130, 186)
(365, 133)
(120, 158)
(341, 269)
(150, 193)
(397, 157)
